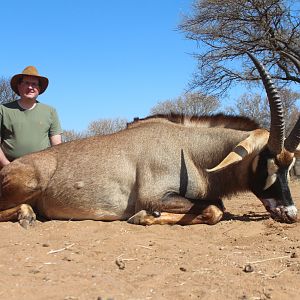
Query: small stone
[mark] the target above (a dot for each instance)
(120, 263)
(79, 184)
(294, 255)
(248, 268)
(67, 258)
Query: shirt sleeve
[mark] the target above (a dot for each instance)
(55, 127)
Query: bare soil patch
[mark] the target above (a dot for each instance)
(246, 256)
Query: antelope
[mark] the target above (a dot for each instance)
(159, 170)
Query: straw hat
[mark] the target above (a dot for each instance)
(29, 71)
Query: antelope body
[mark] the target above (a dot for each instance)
(159, 170)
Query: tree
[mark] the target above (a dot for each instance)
(227, 29)
(257, 108)
(71, 135)
(290, 109)
(6, 93)
(254, 107)
(188, 104)
(106, 126)
(100, 127)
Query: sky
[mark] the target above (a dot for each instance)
(105, 59)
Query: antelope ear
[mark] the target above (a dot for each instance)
(252, 144)
(238, 153)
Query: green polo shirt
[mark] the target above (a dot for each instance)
(25, 131)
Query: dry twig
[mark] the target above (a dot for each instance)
(268, 259)
(145, 247)
(59, 250)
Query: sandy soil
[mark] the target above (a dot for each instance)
(246, 256)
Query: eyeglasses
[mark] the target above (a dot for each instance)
(31, 83)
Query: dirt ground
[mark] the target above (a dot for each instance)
(246, 256)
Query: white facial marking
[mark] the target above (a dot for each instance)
(291, 211)
(290, 167)
(270, 180)
(272, 169)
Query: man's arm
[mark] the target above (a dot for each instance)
(3, 159)
(55, 131)
(55, 139)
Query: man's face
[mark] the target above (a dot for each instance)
(29, 87)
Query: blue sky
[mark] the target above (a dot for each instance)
(104, 59)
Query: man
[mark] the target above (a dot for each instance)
(26, 124)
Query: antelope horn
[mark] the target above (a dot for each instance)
(276, 138)
(252, 144)
(293, 59)
(292, 141)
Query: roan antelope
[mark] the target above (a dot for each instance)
(160, 170)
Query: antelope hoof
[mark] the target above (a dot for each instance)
(26, 216)
(212, 215)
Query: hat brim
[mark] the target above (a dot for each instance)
(16, 79)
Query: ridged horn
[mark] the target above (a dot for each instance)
(275, 142)
(292, 141)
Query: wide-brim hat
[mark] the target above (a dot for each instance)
(29, 71)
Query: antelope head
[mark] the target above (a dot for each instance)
(274, 156)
